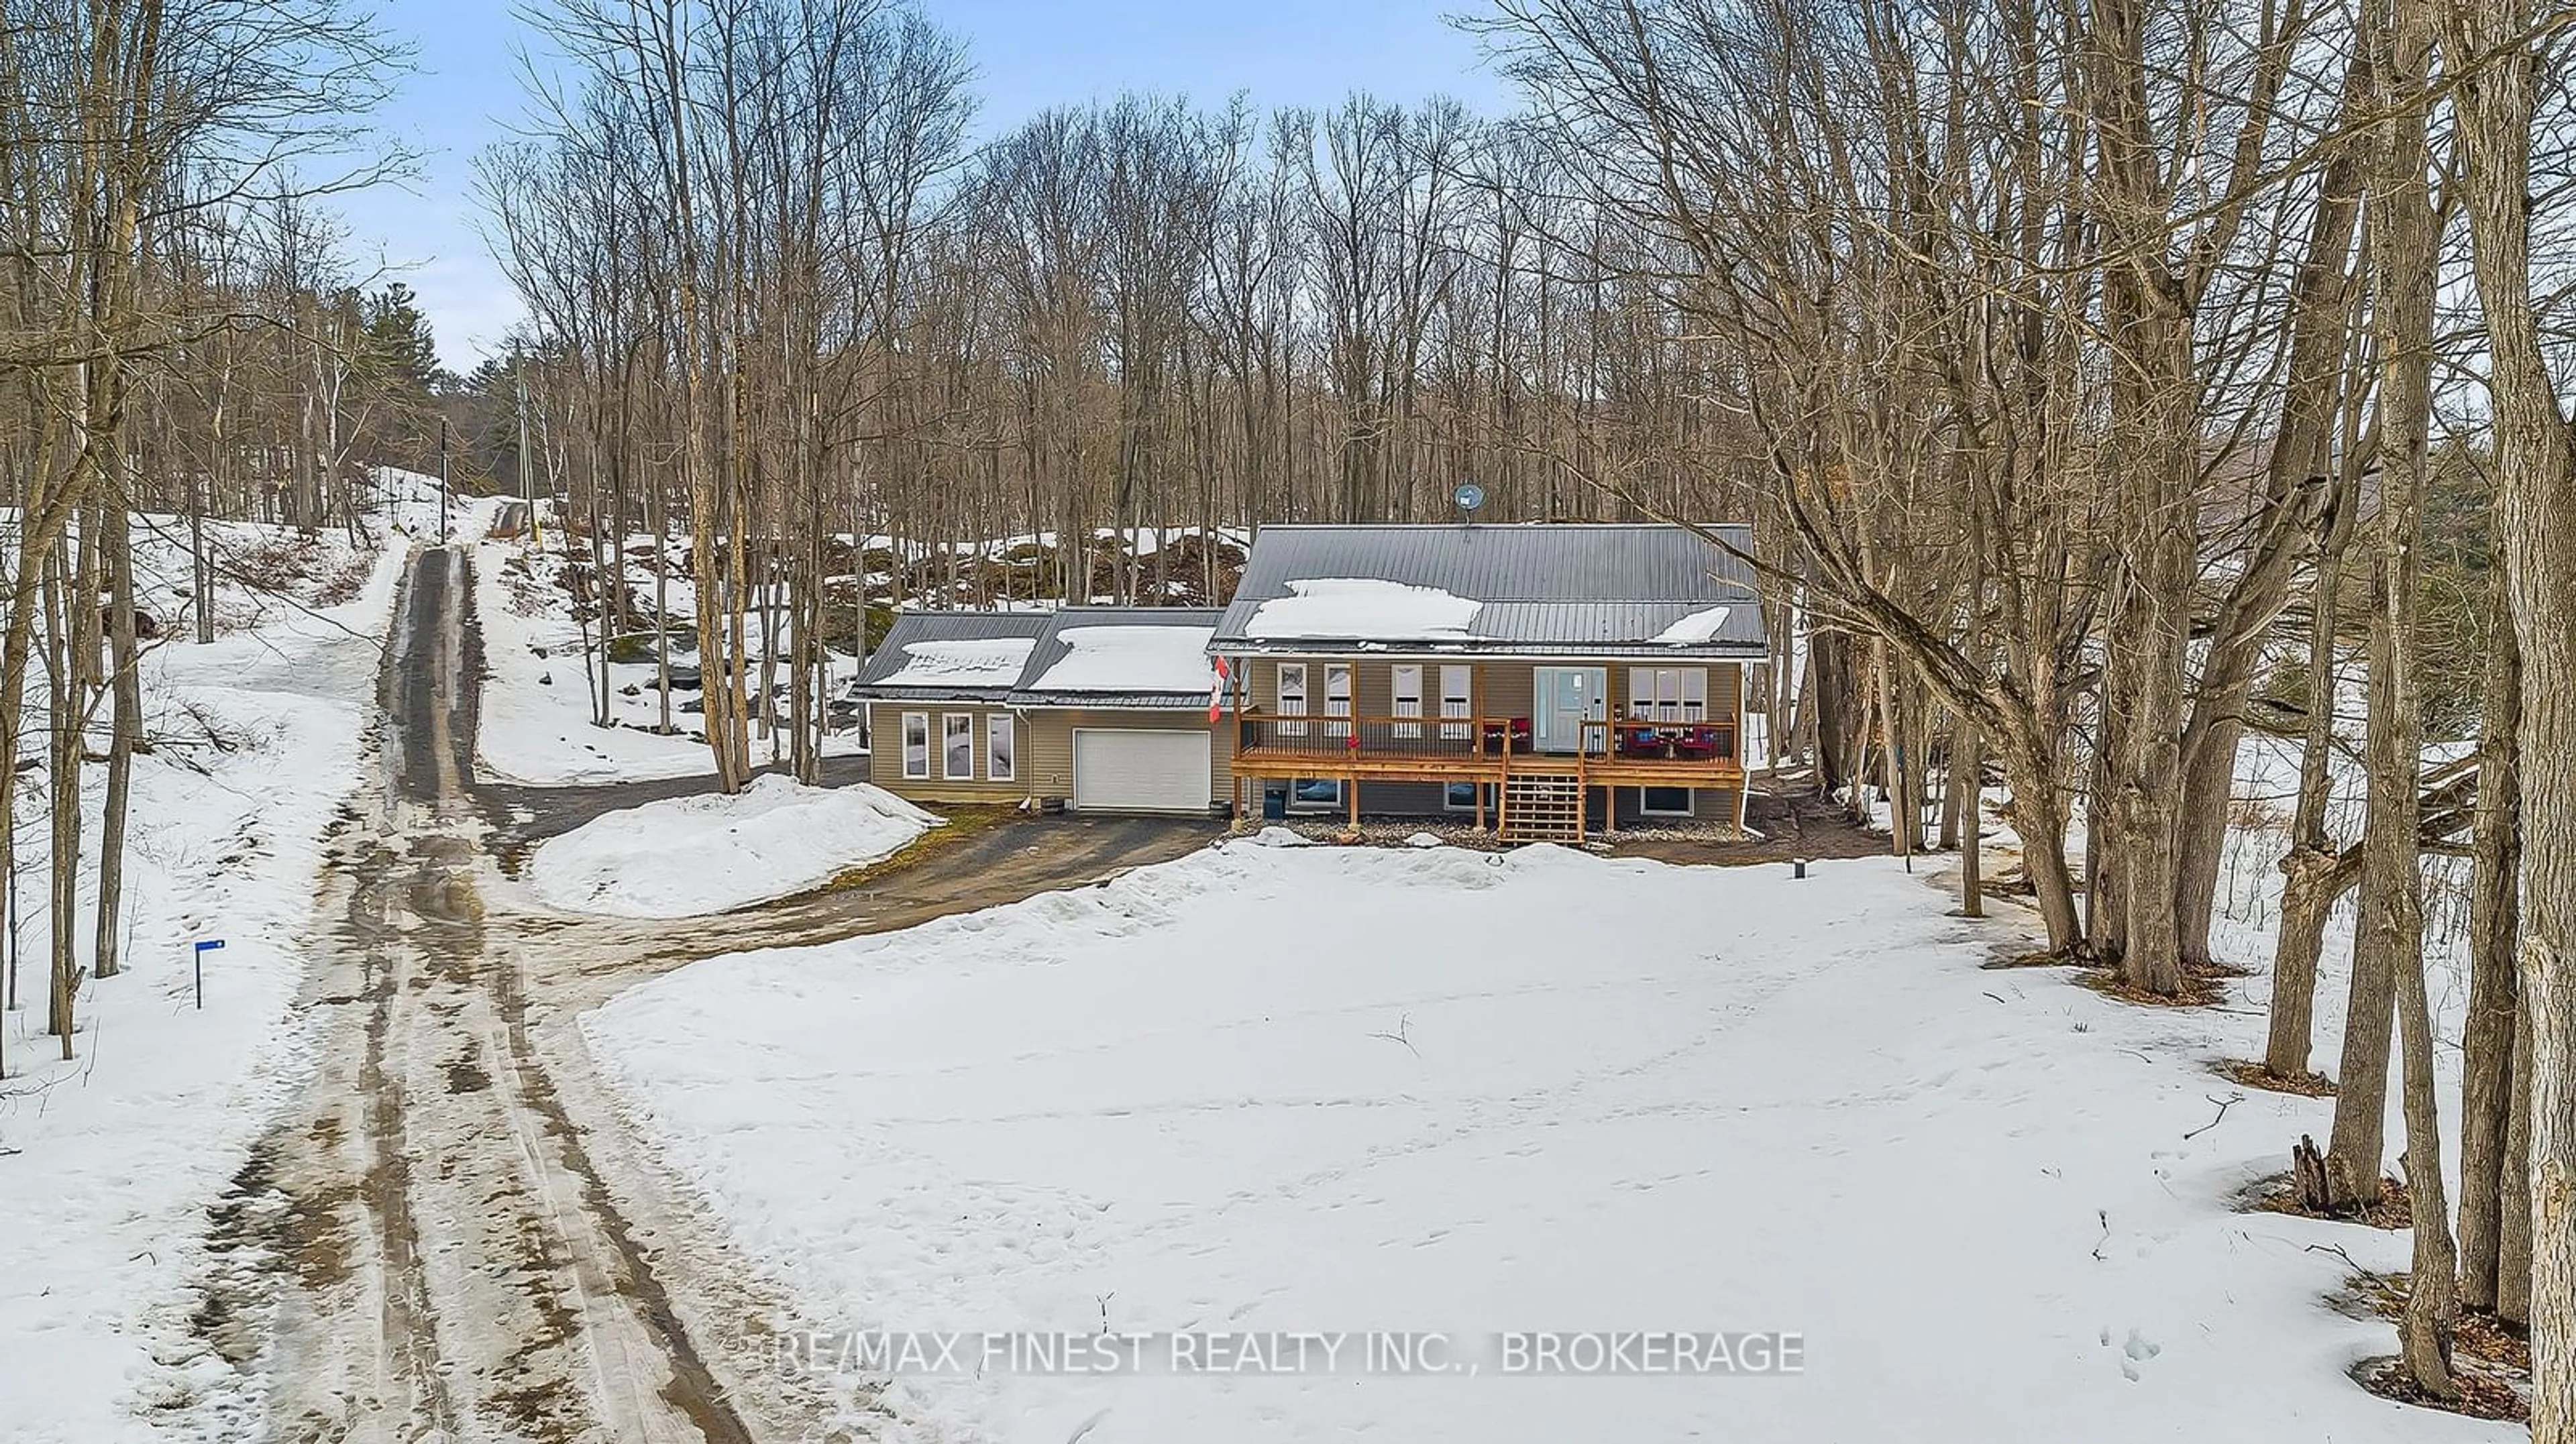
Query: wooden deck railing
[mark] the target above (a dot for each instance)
(1316, 735)
(1480, 744)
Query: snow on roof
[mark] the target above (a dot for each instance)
(980, 662)
(1696, 630)
(1130, 659)
(1364, 609)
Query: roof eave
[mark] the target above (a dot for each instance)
(880, 693)
(1114, 701)
(1482, 647)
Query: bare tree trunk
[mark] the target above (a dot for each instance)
(71, 594)
(127, 737)
(1968, 770)
(2309, 887)
(2488, 1082)
(2513, 1228)
(1903, 820)
(2299, 478)
(2432, 1309)
(2405, 245)
(1949, 810)
(2536, 481)
(2388, 945)
(201, 566)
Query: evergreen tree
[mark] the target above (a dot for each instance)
(400, 344)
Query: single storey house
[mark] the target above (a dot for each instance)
(1102, 708)
(1550, 679)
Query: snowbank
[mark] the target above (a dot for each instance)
(692, 855)
(1536, 1091)
(1364, 609)
(1130, 659)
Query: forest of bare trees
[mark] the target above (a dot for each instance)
(185, 338)
(2083, 348)
(2088, 369)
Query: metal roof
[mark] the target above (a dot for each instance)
(1046, 630)
(910, 627)
(1595, 589)
(1052, 648)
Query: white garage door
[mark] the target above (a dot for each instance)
(1117, 771)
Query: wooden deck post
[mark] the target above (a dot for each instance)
(1352, 786)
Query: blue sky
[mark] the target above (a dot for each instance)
(1029, 55)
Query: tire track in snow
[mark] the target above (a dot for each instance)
(446, 1263)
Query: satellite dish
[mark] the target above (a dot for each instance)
(1470, 496)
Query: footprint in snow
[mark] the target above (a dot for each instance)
(2136, 1351)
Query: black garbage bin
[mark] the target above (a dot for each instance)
(1274, 804)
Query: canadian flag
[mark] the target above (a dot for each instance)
(1216, 689)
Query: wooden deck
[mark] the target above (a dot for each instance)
(1436, 750)
(1389, 766)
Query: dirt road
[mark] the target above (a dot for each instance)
(457, 1240)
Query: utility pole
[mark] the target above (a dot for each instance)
(200, 580)
(442, 481)
(527, 473)
(527, 477)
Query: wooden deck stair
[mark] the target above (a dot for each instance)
(1542, 807)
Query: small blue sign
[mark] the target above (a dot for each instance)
(200, 955)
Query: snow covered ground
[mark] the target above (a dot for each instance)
(1328, 1090)
(686, 856)
(108, 1162)
(536, 724)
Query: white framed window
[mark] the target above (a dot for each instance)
(1461, 796)
(1457, 687)
(1668, 694)
(1001, 747)
(916, 744)
(1337, 697)
(1408, 697)
(1292, 698)
(1314, 794)
(1664, 801)
(957, 746)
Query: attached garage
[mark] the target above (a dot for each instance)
(1139, 770)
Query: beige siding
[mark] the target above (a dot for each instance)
(1501, 689)
(1045, 737)
(885, 755)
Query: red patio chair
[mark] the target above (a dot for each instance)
(1642, 740)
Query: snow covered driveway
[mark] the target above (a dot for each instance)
(1312, 1089)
